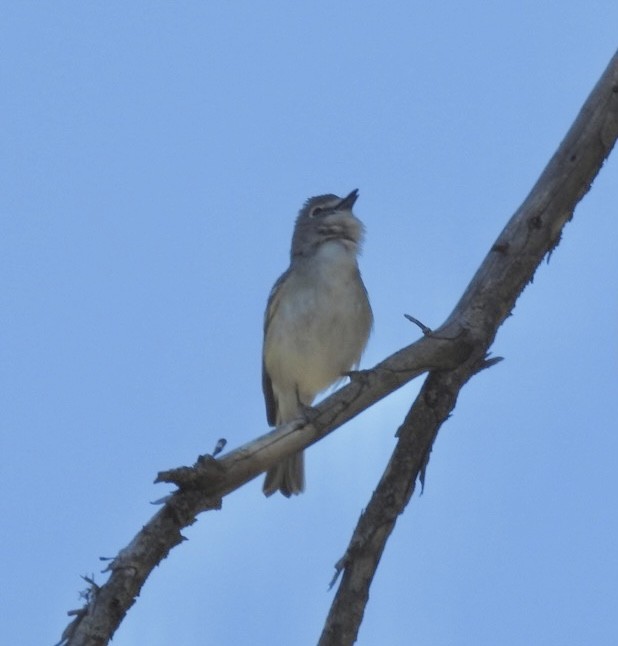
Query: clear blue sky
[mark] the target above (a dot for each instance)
(154, 156)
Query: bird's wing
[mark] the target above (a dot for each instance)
(267, 386)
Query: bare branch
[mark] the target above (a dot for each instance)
(532, 232)
(202, 486)
(452, 354)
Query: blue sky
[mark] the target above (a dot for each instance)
(154, 156)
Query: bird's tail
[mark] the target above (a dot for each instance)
(288, 476)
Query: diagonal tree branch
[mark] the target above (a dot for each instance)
(452, 354)
(533, 231)
(202, 486)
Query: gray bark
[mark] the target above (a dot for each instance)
(452, 354)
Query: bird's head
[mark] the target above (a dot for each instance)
(324, 218)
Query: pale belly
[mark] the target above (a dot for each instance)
(319, 333)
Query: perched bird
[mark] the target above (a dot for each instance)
(317, 321)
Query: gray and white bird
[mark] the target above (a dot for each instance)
(317, 321)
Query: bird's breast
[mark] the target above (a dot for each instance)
(322, 323)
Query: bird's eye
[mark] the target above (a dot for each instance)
(317, 211)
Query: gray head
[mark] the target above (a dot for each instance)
(324, 218)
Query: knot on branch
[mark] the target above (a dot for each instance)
(205, 474)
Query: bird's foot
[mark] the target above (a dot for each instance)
(307, 413)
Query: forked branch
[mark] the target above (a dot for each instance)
(532, 232)
(452, 354)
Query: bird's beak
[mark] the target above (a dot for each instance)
(348, 202)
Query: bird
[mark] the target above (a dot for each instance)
(317, 321)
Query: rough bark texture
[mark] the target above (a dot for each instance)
(452, 354)
(533, 231)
